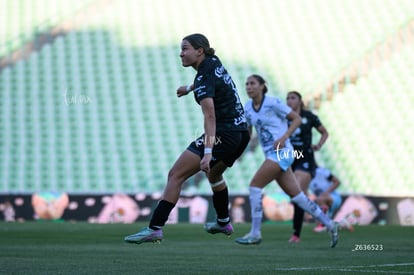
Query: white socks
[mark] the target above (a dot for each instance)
(312, 208)
(255, 196)
(256, 210)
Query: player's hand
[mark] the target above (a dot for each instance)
(182, 90)
(205, 163)
(279, 143)
(316, 147)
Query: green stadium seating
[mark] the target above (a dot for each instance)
(96, 112)
(373, 137)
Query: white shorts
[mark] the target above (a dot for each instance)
(283, 157)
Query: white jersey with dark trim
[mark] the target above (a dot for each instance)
(269, 121)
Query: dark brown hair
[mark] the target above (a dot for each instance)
(262, 81)
(302, 105)
(198, 41)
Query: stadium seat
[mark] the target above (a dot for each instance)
(128, 64)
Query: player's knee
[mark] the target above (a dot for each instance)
(218, 185)
(171, 174)
(175, 177)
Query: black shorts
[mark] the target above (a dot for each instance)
(228, 147)
(305, 162)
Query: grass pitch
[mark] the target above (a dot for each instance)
(82, 248)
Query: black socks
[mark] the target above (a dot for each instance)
(298, 217)
(163, 210)
(160, 215)
(221, 205)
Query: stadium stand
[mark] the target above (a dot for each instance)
(93, 109)
(373, 139)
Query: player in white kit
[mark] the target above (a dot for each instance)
(323, 185)
(269, 115)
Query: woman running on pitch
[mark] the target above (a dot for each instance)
(304, 167)
(270, 116)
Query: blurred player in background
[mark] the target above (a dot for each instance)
(303, 167)
(224, 140)
(324, 186)
(270, 116)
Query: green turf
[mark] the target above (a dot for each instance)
(81, 248)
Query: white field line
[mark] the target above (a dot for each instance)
(351, 268)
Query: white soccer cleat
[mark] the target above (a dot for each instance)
(249, 239)
(145, 235)
(334, 234)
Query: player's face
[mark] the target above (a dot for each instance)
(253, 87)
(292, 100)
(189, 55)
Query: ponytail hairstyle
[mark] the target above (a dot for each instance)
(302, 105)
(198, 41)
(262, 81)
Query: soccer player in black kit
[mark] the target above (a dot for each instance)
(224, 140)
(305, 165)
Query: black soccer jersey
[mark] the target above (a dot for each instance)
(212, 80)
(301, 138)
